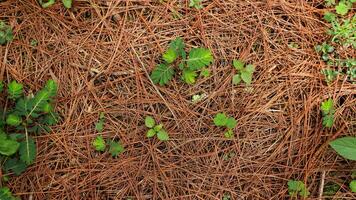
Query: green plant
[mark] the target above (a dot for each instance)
(344, 6)
(5, 194)
(297, 187)
(222, 120)
(330, 189)
(99, 126)
(155, 129)
(353, 185)
(226, 196)
(199, 58)
(99, 143)
(6, 34)
(115, 147)
(330, 2)
(196, 4)
(345, 146)
(344, 32)
(48, 3)
(243, 73)
(25, 116)
(328, 111)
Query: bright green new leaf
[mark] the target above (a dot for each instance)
(15, 90)
(150, 133)
(205, 72)
(328, 120)
(178, 46)
(99, 143)
(353, 186)
(67, 3)
(47, 107)
(116, 148)
(170, 56)
(51, 87)
(231, 123)
(196, 4)
(5, 194)
(220, 119)
(327, 106)
(295, 187)
(162, 74)
(149, 122)
(15, 165)
(329, 16)
(236, 79)
(189, 76)
(8, 146)
(246, 77)
(229, 134)
(343, 7)
(345, 146)
(199, 58)
(238, 64)
(13, 120)
(158, 127)
(162, 135)
(28, 151)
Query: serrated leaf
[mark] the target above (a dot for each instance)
(205, 73)
(99, 143)
(13, 120)
(199, 58)
(150, 133)
(178, 46)
(67, 3)
(170, 56)
(28, 151)
(329, 16)
(15, 165)
(162, 135)
(345, 146)
(342, 8)
(8, 146)
(231, 123)
(116, 148)
(327, 106)
(162, 74)
(189, 76)
(246, 77)
(14, 90)
(149, 122)
(51, 87)
(236, 79)
(353, 185)
(328, 120)
(238, 64)
(220, 119)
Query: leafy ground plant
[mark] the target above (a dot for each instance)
(328, 111)
(196, 4)
(199, 59)
(155, 129)
(296, 188)
(222, 120)
(6, 34)
(30, 115)
(244, 73)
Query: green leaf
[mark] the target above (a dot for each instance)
(236, 79)
(13, 120)
(329, 16)
(238, 64)
(15, 90)
(158, 127)
(327, 106)
(151, 133)
(1, 86)
(162, 74)
(250, 68)
(231, 123)
(99, 143)
(170, 56)
(47, 3)
(199, 58)
(196, 4)
(229, 134)
(189, 76)
(162, 135)
(15, 165)
(246, 77)
(116, 148)
(343, 8)
(28, 151)
(67, 3)
(353, 186)
(47, 107)
(205, 72)
(178, 46)
(8, 146)
(220, 119)
(345, 146)
(328, 120)
(295, 187)
(51, 87)
(99, 126)
(149, 122)
(5, 194)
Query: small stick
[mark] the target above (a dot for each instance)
(321, 187)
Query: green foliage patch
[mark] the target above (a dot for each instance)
(222, 120)
(155, 129)
(296, 188)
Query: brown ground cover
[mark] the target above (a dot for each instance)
(99, 53)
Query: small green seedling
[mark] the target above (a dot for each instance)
(222, 120)
(243, 73)
(353, 186)
(344, 32)
(328, 111)
(6, 34)
(199, 59)
(114, 147)
(196, 4)
(99, 143)
(345, 147)
(32, 114)
(155, 129)
(226, 196)
(99, 126)
(48, 3)
(296, 188)
(344, 6)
